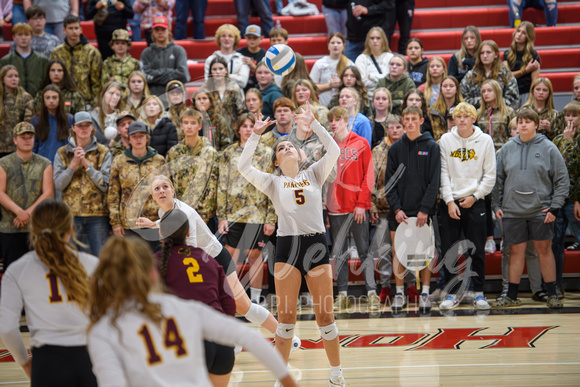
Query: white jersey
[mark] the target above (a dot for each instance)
(298, 201)
(50, 316)
(140, 353)
(199, 234)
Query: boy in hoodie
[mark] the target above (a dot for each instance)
(270, 91)
(82, 169)
(119, 66)
(531, 187)
(175, 95)
(82, 60)
(414, 165)
(467, 176)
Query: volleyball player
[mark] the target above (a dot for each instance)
(141, 337)
(301, 248)
(51, 283)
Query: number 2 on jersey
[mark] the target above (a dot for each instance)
(172, 339)
(192, 270)
(299, 195)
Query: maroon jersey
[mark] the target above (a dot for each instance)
(194, 275)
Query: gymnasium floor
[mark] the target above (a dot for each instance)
(526, 346)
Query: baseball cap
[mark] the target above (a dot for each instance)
(121, 34)
(137, 127)
(253, 29)
(23, 127)
(125, 114)
(174, 86)
(81, 117)
(160, 21)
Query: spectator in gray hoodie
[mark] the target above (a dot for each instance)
(531, 186)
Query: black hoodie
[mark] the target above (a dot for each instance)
(418, 72)
(415, 168)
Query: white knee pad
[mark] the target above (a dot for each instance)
(329, 332)
(257, 314)
(285, 331)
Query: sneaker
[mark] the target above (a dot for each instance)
(424, 303)
(490, 247)
(449, 303)
(398, 302)
(574, 247)
(341, 302)
(560, 292)
(481, 303)
(504, 301)
(385, 294)
(503, 294)
(468, 297)
(336, 381)
(540, 296)
(296, 343)
(554, 302)
(374, 301)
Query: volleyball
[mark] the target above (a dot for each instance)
(280, 59)
(110, 132)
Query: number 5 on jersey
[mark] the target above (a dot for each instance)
(299, 197)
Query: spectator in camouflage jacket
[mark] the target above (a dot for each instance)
(541, 101)
(237, 199)
(121, 143)
(194, 168)
(128, 196)
(118, 67)
(16, 105)
(82, 169)
(82, 60)
(215, 126)
(175, 95)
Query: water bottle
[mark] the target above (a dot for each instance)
(358, 18)
(518, 20)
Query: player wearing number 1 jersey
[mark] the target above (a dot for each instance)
(51, 283)
(301, 248)
(140, 337)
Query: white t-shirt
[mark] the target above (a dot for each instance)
(368, 71)
(239, 72)
(322, 72)
(140, 353)
(50, 316)
(298, 201)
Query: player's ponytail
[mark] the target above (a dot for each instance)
(51, 228)
(123, 280)
(174, 228)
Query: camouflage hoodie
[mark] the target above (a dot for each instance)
(194, 171)
(17, 107)
(570, 150)
(84, 191)
(175, 110)
(129, 193)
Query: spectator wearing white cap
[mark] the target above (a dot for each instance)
(253, 53)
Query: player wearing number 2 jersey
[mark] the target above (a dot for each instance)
(139, 337)
(51, 283)
(301, 247)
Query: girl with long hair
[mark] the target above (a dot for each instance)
(303, 92)
(135, 93)
(254, 101)
(541, 100)
(161, 129)
(449, 97)
(488, 66)
(382, 109)
(301, 246)
(58, 75)
(214, 126)
(494, 116)
(397, 82)
(105, 113)
(51, 284)
(522, 59)
(300, 71)
(139, 336)
(52, 123)
(349, 99)
(16, 105)
(326, 70)
(417, 69)
(227, 94)
(416, 97)
(373, 63)
(351, 77)
(464, 60)
(437, 70)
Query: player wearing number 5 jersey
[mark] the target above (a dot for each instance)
(140, 337)
(301, 248)
(51, 283)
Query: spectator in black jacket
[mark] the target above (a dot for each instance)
(362, 15)
(162, 131)
(118, 12)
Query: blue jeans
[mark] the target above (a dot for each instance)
(354, 49)
(262, 7)
(335, 20)
(197, 8)
(565, 218)
(93, 230)
(135, 24)
(18, 15)
(550, 9)
(55, 29)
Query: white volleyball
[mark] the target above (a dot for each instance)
(280, 59)
(110, 132)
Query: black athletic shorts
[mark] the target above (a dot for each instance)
(218, 358)
(245, 236)
(59, 366)
(304, 252)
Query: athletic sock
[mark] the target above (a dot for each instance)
(425, 289)
(513, 291)
(371, 292)
(335, 371)
(255, 294)
(551, 288)
(400, 289)
(477, 294)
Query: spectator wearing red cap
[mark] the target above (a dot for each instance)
(163, 61)
(150, 10)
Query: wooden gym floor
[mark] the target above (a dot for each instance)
(525, 346)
